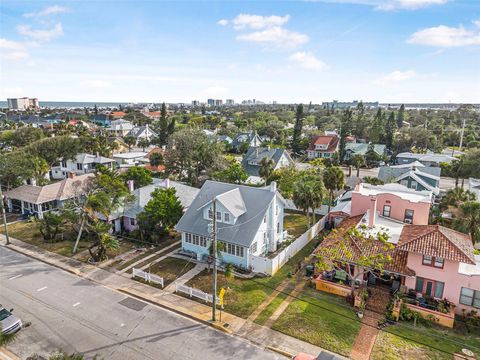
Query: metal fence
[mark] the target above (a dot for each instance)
(148, 276)
(192, 292)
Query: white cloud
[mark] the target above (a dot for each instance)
(223, 22)
(307, 61)
(11, 45)
(15, 55)
(395, 76)
(389, 5)
(407, 4)
(256, 22)
(96, 84)
(51, 10)
(276, 36)
(445, 36)
(41, 35)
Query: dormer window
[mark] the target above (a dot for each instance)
(210, 213)
(226, 217)
(219, 216)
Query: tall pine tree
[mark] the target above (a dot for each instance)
(360, 122)
(297, 130)
(163, 126)
(401, 116)
(345, 130)
(390, 127)
(377, 129)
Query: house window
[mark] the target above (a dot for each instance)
(470, 297)
(64, 164)
(438, 262)
(132, 221)
(226, 217)
(386, 210)
(433, 261)
(188, 238)
(210, 213)
(195, 240)
(404, 182)
(239, 251)
(419, 285)
(439, 289)
(253, 248)
(79, 166)
(413, 184)
(219, 216)
(278, 228)
(265, 219)
(408, 216)
(203, 241)
(427, 260)
(264, 237)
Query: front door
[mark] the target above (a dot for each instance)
(428, 288)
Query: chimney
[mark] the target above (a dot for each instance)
(166, 183)
(372, 211)
(130, 185)
(273, 186)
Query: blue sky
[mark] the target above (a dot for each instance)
(288, 51)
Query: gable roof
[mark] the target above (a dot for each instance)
(243, 232)
(186, 194)
(439, 241)
(139, 130)
(430, 157)
(362, 148)
(256, 154)
(417, 177)
(61, 190)
(245, 137)
(330, 140)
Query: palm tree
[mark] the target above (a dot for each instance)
(318, 191)
(455, 197)
(266, 169)
(144, 143)
(303, 195)
(334, 179)
(6, 339)
(229, 274)
(130, 141)
(470, 220)
(358, 161)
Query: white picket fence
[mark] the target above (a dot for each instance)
(148, 276)
(192, 292)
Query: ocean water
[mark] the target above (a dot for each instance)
(71, 104)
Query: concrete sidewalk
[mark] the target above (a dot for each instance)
(232, 324)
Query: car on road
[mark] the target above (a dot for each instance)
(9, 323)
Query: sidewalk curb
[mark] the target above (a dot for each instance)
(173, 309)
(280, 351)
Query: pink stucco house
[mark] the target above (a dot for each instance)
(427, 260)
(393, 201)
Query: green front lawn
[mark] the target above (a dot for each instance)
(321, 319)
(270, 309)
(245, 295)
(170, 269)
(403, 341)
(28, 232)
(295, 224)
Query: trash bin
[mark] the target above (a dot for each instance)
(309, 270)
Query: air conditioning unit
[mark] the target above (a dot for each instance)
(408, 221)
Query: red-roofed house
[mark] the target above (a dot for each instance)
(118, 114)
(323, 146)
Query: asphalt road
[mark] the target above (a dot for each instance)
(76, 315)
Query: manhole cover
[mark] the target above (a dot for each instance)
(132, 304)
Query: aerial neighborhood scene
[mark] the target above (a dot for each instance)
(240, 180)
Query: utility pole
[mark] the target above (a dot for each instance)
(214, 239)
(4, 217)
(461, 135)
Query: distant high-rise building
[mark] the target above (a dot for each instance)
(218, 102)
(196, 103)
(211, 102)
(23, 103)
(274, 102)
(229, 102)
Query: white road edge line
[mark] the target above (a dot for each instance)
(15, 277)
(76, 304)
(42, 288)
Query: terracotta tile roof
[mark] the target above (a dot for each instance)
(355, 248)
(439, 241)
(330, 140)
(118, 114)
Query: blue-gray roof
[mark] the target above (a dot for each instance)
(245, 137)
(255, 200)
(256, 154)
(362, 148)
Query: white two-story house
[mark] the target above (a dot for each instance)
(249, 222)
(82, 164)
